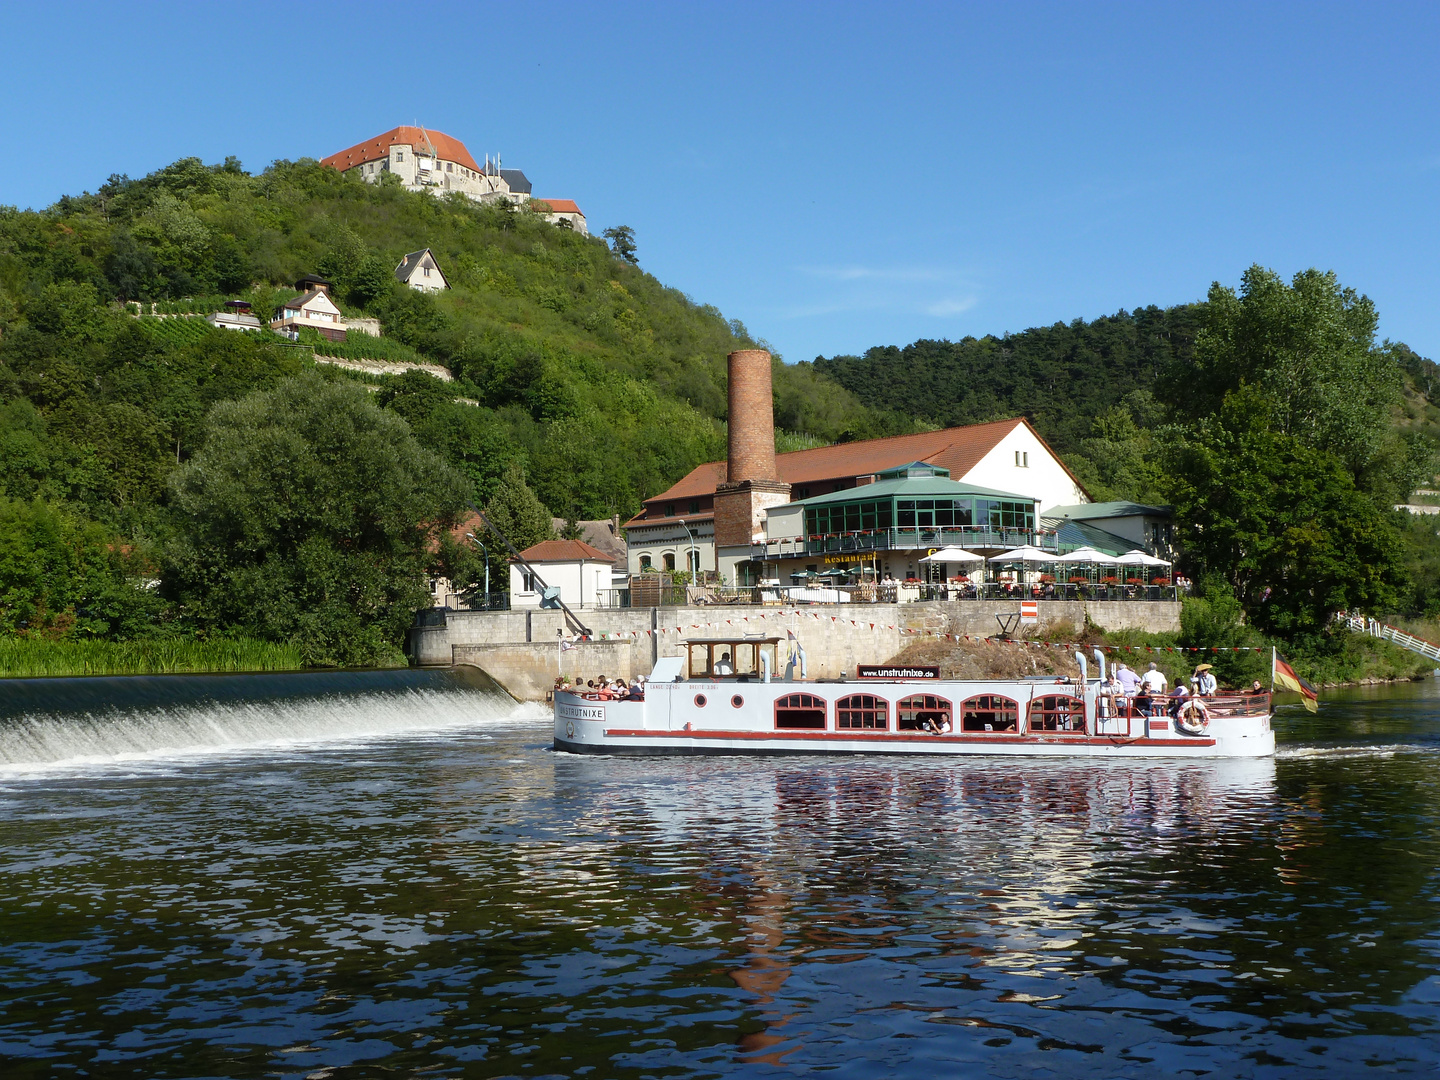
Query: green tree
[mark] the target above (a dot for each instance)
(1281, 521)
(622, 242)
(1310, 347)
(310, 516)
(516, 512)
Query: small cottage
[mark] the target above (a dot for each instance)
(579, 571)
(420, 271)
(313, 308)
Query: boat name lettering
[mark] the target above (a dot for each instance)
(582, 712)
(874, 671)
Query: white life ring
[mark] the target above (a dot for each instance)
(1193, 718)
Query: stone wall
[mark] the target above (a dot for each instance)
(836, 638)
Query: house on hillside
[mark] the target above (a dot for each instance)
(563, 212)
(425, 160)
(420, 271)
(313, 309)
(236, 316)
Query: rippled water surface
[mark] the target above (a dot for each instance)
(396, 876)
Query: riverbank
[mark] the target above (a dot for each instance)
(35, 657)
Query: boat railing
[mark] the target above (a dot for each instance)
(1217, 707)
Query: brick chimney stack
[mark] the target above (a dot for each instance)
(752, 417)
(752, 478)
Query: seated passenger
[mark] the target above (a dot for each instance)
(637, 689)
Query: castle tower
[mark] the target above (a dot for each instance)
(752, 481)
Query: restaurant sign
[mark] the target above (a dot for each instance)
(879, 671)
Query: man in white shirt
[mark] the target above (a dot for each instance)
(1154, 681)
(1206, 684)
(723, 665)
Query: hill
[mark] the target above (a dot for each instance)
(603, 383)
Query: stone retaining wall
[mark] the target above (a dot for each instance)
(517, 648)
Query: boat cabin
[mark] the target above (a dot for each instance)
(730, 658)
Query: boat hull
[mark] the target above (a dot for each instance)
(729, 718)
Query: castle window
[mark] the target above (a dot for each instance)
(449, 167)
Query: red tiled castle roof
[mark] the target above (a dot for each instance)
(562, 206)
(378, 148)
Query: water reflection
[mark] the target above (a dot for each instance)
(469, 903)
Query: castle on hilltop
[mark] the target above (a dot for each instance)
(425, 160)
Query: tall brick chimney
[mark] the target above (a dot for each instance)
(752, 417)
(752, 479)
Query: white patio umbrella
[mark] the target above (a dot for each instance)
(1140, 558)
(953, 555)
(1088, 555)
(1027, 554)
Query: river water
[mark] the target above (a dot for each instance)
(392, 874)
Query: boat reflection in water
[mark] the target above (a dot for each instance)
(995, 874)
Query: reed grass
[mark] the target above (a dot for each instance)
(30, 657)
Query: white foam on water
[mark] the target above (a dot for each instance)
(122, 737)
(1312, 753)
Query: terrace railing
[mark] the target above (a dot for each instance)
(972, 537)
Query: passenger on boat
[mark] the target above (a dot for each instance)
(1144, 701)
(723, 665)
(936, 723)
(1155, 681)
(1204, 681)
(1177, 698)
(1129, 681)
(637, 688)
(1112, 696)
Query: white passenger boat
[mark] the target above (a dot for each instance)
(694, 704)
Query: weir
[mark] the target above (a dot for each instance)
(108, 720)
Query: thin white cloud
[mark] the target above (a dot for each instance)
(944, 309)
(875, 273)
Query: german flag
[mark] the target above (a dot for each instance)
(1283, 675)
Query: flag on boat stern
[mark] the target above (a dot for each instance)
(1284, 675)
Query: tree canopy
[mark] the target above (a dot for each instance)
(310, 516)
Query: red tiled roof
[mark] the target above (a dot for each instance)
(548, 551)
(378, 148)
(562, 206)
(958, 449)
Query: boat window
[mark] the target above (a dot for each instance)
(862, 711)
(990, 712)
(922, 712)
(800, 711)
(1058, 713)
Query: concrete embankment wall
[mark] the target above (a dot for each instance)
(519, 649)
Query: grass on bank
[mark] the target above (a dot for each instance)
(31, 657)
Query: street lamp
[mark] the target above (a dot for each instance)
(486, 550)
(694, 553)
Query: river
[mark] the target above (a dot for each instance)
(392, 874)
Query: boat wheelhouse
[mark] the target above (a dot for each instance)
(730, 696)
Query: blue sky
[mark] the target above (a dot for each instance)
(836, 176)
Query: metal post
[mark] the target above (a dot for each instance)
(694, 566)
(486, 550)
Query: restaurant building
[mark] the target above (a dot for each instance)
(715, 520)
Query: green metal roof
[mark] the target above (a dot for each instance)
(910, 488)
(1096, 511)
(1072, 534)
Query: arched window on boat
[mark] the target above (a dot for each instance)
(922, 712)
(804, 711)
(990, 712)
(862, 711)
(1057, 714)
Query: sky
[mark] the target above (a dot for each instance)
(836, 176)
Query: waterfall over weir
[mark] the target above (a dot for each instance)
(107, 720)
